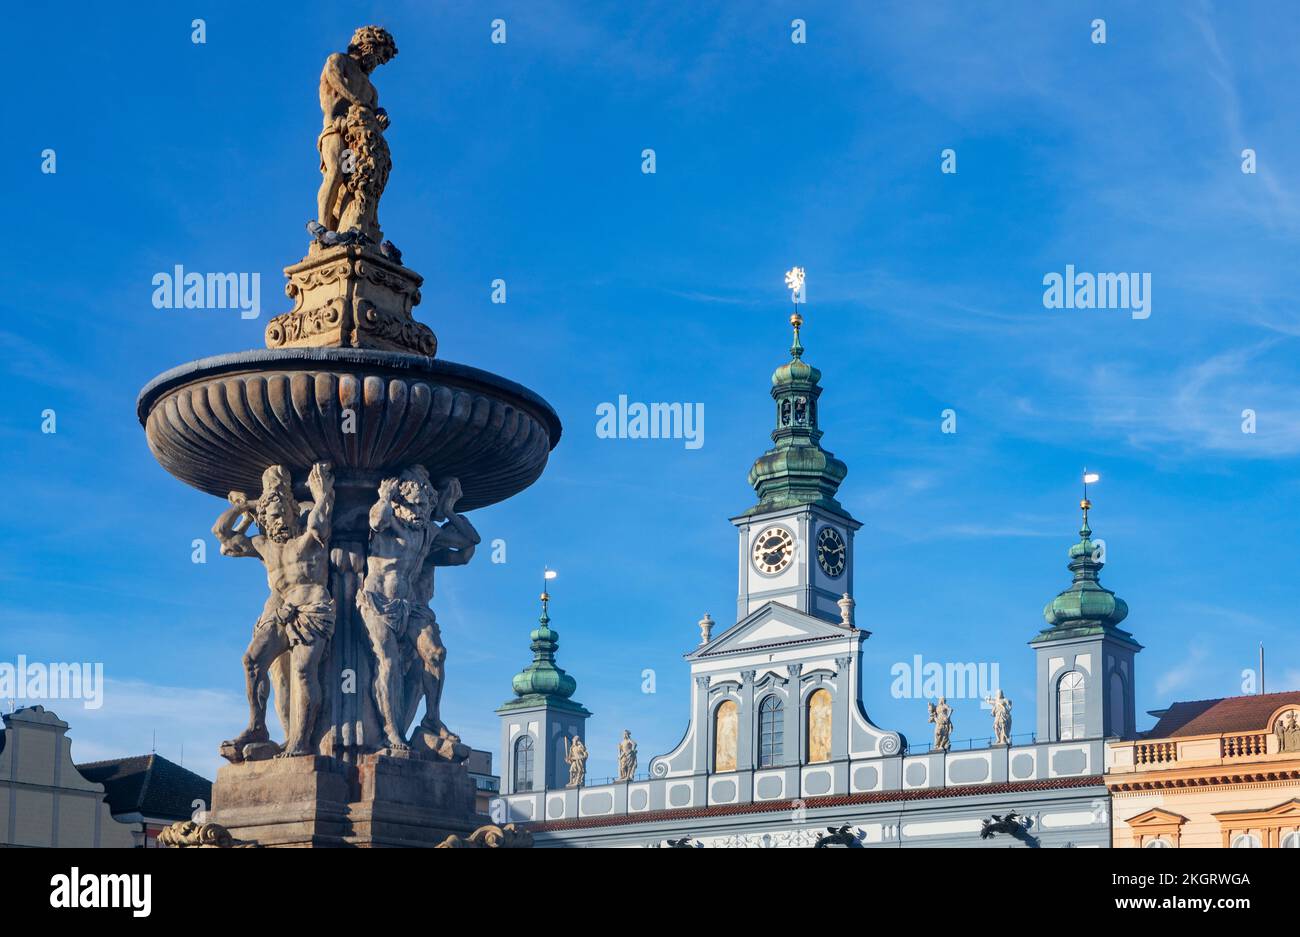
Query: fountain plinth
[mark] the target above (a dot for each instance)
(348, 454)
(352, 296)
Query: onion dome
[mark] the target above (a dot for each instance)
(1086, 607)
(543, 682)
(796, 470)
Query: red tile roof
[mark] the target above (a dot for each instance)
(1213, 716)
(813, 803)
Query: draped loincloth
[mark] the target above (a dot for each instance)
(392, 612)
(303, 624)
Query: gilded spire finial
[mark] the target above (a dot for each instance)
(547, 576)
(1085, 504)
(794, 282)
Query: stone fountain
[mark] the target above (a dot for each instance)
(348, 454)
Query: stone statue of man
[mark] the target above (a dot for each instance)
(1288, 732)
(406, 543)
(575, 756)
(298, 618)
(354, 158)
(626, 757)
(453, 544)
(941, 716)
(401, 529)
(1001, 718)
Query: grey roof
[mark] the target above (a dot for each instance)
(150, 785)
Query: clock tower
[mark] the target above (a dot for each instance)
(796, 543)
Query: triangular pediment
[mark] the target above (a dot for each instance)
(1156, 818)
(1286, 810)
(771, 625)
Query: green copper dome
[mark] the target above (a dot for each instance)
(796, 470)
(543, 682)
(1086, 607)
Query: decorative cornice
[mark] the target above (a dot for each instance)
(1234, 780)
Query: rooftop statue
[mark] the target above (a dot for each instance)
(1001, 707)
(941, 716)
(575, 756)
(627, 757)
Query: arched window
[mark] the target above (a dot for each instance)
(1118, 708)
(771, 732)
(726, 725)
(1070, 706)
(1157, 844)
(524, 763)
(1245, 841)
(1291, 841)
(819, 726)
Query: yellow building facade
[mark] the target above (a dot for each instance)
(1222, 773)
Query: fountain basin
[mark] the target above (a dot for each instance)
(218, 422)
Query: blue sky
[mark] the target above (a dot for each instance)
(523, 162)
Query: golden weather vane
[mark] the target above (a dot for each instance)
(1088, 479)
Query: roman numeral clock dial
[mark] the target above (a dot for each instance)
(773, 550)
(830, 552)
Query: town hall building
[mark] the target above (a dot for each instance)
(779, 745)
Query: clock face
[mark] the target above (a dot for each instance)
(773, 550)
(831, 554)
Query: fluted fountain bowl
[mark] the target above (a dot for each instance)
(218, 422)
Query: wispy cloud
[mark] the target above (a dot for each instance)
(184, 723)
(1187, 670)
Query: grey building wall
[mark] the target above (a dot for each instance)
(1106, 664)
(1074, 816)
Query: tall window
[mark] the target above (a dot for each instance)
(771, 732)
(1070, 706)
(1291, 841)
(1118, 717)
(524, 763)
(1245, 841)
(726, 726)
(819, 726)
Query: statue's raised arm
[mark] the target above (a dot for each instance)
(230, 527)
(320, 482)
(381, 514)
(456, 539)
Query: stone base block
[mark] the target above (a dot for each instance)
(407, 801)
(315, 801)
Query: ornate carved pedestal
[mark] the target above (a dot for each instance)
(351, 297)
